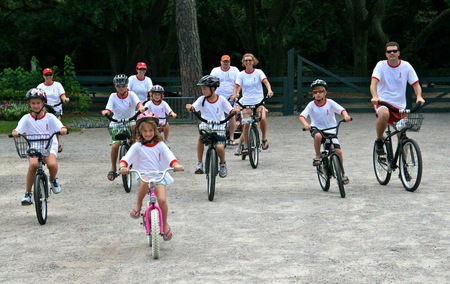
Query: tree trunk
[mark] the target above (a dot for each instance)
(188, 47)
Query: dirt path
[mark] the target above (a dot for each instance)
(272, 224)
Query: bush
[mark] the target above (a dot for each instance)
(13, 111)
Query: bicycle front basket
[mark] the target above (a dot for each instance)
(414, 121)
(32, 144)
(212, 133)
(120, 130)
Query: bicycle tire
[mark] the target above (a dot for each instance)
(322, 175)
(155, 232)
(381, 163)
(126, 179)
(211, 172)
(148, 233)
(337, 168)
(410, 165)
(40, 197)
(253, 149)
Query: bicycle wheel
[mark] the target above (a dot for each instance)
(381, 164)
(144, 223)
(337, 168)
(155, 232)
(410, 165)
(40, 197)
(126, 179)
(322, 174)
(211, 171)
(253, 149)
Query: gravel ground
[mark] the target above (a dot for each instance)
(265, 225)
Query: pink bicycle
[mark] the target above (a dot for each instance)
(152, 218)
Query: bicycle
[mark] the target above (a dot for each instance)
(254, 140)
(51, 108)
(211, 133)
(152, 218)
(37, 145)
(330, 165)
(407, 154)
(122, 132)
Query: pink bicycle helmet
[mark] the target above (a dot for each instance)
(146, 116)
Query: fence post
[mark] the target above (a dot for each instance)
(299, 83)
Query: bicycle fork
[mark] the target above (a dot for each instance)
(147, 217)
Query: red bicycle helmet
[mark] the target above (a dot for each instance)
(146, 116)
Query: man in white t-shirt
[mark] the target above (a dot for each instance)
(227, 75)
(388, 84)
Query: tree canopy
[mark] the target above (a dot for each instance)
(113, 35)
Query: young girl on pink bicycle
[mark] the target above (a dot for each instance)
(149, 153)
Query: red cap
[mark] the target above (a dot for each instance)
(141, 65)
(225, 57)
(47, 71)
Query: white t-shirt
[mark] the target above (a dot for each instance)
(213, 110)
(162, 109)
(391, 87)
(323, 116)
(122, 108)
(251, 84)
(150, 157)
(140, 87)
(53, 92)
(227, 80)
(47, 124)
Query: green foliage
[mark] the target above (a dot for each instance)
(15, 83)
(13, 111)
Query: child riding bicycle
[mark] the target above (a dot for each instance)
(150, 155)
(121, 105)
(161, 108)
(38, 121)
(213, 107)
(322, 113)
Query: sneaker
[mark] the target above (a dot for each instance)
(55, 186)
(26, 200)
(199, 168)
(380, 149)
(223, 170)
(237, 152)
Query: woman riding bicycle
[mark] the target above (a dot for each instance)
(322, 112)
(249, 80)
(122, 105)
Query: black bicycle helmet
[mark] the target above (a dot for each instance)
(36, 93)
(209, 80)
(319, 82)
(120, 79)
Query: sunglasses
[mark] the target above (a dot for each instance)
(47, 75)
(392, 51)
(318, 92)
(248, 60)
(142, 69)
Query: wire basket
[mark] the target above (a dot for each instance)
(32, 144)
(414, 121)
(120, 130)
(212, 133)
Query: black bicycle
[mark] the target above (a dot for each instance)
(330, 165)
(211, 133)
(407, 157)
(254, 140)
(121, 131)
(37, 145)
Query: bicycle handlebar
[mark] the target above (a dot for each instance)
(153, 174)
(253, 106)
(330, 128)
(198, 115)
(108, 116)
(49, 138)
(390, 107)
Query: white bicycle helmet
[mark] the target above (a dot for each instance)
(120, 79)
(157, 89)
